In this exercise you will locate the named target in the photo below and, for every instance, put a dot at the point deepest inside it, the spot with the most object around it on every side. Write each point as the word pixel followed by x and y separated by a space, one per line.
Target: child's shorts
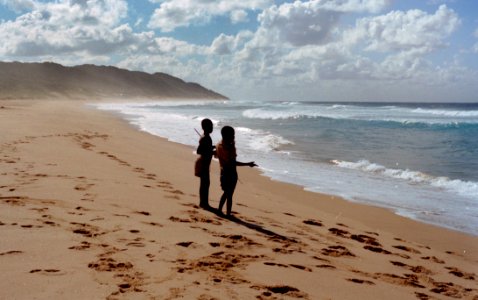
pixel 228 181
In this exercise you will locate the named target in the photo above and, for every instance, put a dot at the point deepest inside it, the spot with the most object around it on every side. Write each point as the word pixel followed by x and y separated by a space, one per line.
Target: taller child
pixel 206 150
pixel 226 153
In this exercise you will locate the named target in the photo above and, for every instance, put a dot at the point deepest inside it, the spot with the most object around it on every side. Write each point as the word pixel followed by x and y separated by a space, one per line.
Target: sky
pixel 304 50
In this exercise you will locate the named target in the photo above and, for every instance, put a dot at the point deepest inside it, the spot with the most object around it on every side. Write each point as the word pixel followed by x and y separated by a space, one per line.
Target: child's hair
pixel 206 123
pixel 227 132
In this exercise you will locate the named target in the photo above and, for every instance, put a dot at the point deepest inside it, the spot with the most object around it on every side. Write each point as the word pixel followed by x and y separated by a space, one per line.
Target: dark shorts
pixel 228 180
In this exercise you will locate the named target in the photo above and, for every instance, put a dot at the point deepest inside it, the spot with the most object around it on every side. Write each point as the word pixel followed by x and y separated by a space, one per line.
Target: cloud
pixel 289 49
pixel 172 14
pixel 227 44
pixel 297 23
pixel 238 16
pixel 309 22
pixel 74 28
pixel 400 30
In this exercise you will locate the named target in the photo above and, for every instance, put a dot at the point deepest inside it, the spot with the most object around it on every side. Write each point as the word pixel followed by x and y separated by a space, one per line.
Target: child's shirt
pixel 205 148
pixel 227 156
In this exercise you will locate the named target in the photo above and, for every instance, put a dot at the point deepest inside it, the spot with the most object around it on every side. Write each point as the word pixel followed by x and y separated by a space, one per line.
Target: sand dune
pixel 91 208
pixel 54 81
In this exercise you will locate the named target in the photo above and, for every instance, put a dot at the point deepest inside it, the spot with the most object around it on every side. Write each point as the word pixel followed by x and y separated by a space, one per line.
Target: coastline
pixel 105 191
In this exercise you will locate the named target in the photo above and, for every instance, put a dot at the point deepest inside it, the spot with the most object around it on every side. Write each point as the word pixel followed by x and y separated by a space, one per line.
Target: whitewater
pixel 418 159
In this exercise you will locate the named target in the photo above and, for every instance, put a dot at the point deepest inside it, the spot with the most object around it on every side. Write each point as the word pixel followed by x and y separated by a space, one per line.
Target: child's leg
pixel 204 191
pixel 229 203
pixel 229 194
pixel 222 201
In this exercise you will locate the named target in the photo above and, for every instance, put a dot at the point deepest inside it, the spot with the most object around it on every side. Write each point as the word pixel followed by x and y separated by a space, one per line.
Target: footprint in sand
pixel 324 266
pixel 407 249
pixel 300 267
pixel 422 296
pixel 458 273
pixel 377 249
pixel 365 239
pixel 50 223
pixel 337 251
pixel 339 232
pixel 414 269
pixel 83 246
pixel 280 289
pixel 275 264
pixel 144 213
pixel 313 222
pixel 11 252
pixel 451 290
pixel 47 272
pixel 181 220
pixel 136 244
pixel 83 186
pixel 86 229
pixel 108 264
pixel 405 280
pixel 361 281
pixel 434 259
pixel 138 170
pixel 185 244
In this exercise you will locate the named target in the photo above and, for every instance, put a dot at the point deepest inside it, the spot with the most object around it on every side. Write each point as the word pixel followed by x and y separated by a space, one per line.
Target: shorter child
pixel 226 153
pixel 206 150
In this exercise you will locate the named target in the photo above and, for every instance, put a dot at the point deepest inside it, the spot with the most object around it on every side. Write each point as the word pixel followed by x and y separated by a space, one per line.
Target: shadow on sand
pixel 251 225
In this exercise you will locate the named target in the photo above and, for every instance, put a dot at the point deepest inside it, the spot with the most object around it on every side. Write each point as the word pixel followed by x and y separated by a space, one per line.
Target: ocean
pixel 418 159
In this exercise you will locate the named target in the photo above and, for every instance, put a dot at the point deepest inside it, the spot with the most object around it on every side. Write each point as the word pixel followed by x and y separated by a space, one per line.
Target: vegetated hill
pixel 53 81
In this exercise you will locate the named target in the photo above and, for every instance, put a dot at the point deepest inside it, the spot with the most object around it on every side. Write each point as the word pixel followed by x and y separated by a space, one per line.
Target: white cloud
pixel 238 16
pixel 289 49
pixel 66 26
pixel 400 30
pixel 227 44
pixel 309 22
pixel 298 23
pixel 172 14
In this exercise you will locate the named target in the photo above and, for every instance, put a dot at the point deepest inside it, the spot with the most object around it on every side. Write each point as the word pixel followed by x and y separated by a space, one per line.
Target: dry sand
pixel 91 208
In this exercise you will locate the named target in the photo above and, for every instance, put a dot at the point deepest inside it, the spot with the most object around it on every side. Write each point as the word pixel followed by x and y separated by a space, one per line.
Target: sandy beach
pixel 92 208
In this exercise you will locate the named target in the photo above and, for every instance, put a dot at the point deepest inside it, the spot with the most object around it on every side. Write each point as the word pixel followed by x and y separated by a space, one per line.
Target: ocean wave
pixel 446 113
pixel 156 104
pixel 467 189
pixel 395 114
pixel 265 114
pixel 259 140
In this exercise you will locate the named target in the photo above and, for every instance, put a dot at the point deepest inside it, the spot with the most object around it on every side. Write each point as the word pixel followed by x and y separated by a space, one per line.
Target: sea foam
pixel 467 189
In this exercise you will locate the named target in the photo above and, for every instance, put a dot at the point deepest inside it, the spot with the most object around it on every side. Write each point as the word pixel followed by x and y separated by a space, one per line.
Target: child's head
pixel 206 125
pixel 227 133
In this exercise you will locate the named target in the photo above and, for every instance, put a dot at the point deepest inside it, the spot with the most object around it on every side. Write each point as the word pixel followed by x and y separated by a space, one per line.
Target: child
pixel 226 153
pixel 206 150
